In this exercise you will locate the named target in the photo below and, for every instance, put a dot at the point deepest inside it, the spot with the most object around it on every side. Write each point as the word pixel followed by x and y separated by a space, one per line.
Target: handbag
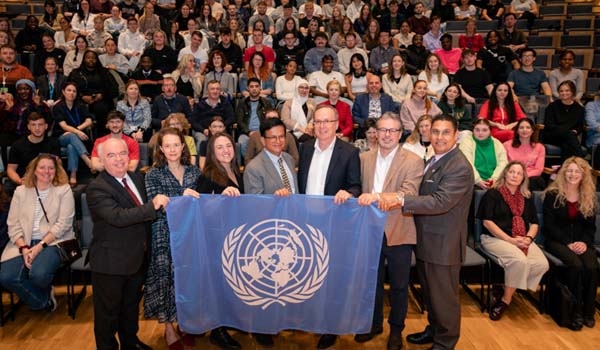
pixel 561 302
pixel 68 250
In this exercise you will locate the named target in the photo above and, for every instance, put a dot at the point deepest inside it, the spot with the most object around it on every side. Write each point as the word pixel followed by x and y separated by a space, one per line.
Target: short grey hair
pixel 391 116
pixel 101 146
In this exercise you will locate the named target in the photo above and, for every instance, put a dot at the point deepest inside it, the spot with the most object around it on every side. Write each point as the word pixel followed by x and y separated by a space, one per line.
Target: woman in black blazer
pixel 570 209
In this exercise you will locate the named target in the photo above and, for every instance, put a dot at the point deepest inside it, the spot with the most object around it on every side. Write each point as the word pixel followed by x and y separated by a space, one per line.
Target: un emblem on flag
pixel 275 261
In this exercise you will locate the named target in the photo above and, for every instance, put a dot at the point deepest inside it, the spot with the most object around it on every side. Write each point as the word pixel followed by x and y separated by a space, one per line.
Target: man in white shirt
pixel 195 49
pixel 132 43
pixel 345 54
pixel 319 79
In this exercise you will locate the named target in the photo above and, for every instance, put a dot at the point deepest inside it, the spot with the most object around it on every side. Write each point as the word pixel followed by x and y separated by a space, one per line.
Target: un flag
pixel 262 264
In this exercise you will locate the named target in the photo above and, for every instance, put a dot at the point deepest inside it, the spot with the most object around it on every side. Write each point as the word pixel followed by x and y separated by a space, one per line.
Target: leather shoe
pixel 264 340
pixel 365 337
pixel 589 322
pixel 222 339
pixel 141 346
pixel 395 341
pixel 326 341
pixel 497 310
pixel 420 338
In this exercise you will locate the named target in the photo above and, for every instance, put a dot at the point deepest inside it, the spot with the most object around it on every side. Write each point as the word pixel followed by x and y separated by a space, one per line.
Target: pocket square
pixel 428 180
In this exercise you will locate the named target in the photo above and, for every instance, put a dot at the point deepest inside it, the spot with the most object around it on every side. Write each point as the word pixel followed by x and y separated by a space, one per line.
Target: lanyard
pixel 133 113
pixel 168 103
pixel 50 88
pixel 71 116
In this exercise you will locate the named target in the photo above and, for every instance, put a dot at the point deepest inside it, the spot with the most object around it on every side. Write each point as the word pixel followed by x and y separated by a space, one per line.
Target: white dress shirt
pixel 131 185
pixel 317 173
pixel 382 166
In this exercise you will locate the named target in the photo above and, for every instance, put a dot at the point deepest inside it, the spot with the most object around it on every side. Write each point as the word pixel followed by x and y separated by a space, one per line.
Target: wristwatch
pixel 93 96
pixel 44 244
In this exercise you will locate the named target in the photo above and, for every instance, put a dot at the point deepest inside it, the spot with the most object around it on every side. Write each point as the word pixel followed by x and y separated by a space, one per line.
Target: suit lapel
pixel 271 170
pixel 118 189
pixel 394 168
pixel 370 164
pixel 139 184
pixel 335 156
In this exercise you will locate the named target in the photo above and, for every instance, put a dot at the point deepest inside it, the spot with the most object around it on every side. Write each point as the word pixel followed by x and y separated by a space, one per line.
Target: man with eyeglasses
pixel 374 103
pixel 390 169
pixel 114 123
pixel 291 51
pixel 168 102
pixel 328 167
pixel 440 212
pixel 529 81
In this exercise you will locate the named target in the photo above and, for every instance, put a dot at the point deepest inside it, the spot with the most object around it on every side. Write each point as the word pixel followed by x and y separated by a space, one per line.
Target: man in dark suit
pixel 441 210
pixel 118 249
pixel 361 110
pixel 328 167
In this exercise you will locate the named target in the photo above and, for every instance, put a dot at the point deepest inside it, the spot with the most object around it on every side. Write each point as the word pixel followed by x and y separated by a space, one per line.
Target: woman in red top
pixel 334 89
pixel 471 40
pixel 502 111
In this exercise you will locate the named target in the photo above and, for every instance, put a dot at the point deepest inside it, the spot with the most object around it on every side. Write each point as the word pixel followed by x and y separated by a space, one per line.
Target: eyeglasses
pixel 390 130
pixel 324 122
pixel 275 137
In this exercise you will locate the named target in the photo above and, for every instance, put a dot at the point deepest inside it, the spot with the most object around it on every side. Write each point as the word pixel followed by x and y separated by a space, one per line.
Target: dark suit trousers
pixel 398 259
pixel 116 309
pixel 440 291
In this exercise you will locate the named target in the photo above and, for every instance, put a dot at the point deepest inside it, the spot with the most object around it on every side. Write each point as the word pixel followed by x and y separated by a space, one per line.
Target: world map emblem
pixel 275 261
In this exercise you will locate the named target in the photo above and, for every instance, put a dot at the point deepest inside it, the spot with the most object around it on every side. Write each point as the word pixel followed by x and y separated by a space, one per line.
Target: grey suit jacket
pixel 262 177
pixel 441 210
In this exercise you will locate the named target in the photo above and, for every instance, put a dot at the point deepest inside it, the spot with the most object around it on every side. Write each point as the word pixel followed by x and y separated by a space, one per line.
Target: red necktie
pixel 131 193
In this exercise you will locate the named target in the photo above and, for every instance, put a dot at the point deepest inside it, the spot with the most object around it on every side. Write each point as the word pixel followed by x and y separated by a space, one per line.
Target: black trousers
pixel 568 143
pixel 581 276
pixel 398 259
pixel 116 309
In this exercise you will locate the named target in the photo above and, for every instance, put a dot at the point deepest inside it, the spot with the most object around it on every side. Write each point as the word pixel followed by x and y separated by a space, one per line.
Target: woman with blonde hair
pixel 136 109
pixel 420 140
pixel 435 76
pixel 570 208
pixel 149 22
pixel 188 78
pixel 40 216
pixel 510 225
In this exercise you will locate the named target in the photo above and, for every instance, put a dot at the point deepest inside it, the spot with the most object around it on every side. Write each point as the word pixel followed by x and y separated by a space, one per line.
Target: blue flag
pixel 262 264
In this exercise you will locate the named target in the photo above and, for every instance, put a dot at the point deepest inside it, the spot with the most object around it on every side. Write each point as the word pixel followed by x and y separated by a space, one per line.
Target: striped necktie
pixel 284 177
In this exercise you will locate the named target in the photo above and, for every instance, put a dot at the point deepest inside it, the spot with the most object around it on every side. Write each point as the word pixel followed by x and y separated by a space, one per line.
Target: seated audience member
pixel 110 59
pixel 11 70
pixel 356 78
pixel 129 9
pixel 406 8
pixel 297 113
pixel 338 39
pixel 374 103
pixel 360 18
pixel 392 20
pixel 419 141
pixel 29 38
pixel 404 38
pixel 237 37
pixel 314 57
pixel 311 11
pixel 435 76
pixel 291 51
pixel 497 60
pixel 149 80
pixel 445 10
pixel 319 79
pixel 416 55
pixel 149 22
pixel 258 69
pixel 570 208
pixel 525 9
pixel 48 49
pixel 49 83
pixel 592 120
pixel 465 11
pixel 50 18
pixel 311 34
pixel 485 153
pixel 492 11
pixel 250 112
pixel 432 39
pixel 564 122
pixel 526 148
pixel 255 145
pixel 565 71
pixel 381 55
pixel 132 43
pixel 195 49
pixel 180 122
pixel 261 15
pixel 471 39
pixel 25 149
pixel 419 22
pixel 371 37
pixel 334 90
pixel 115 24
pixel 369 129
pixel 450 57
pixel 345 54
pixel 231 50
pixel 137 109
pixel 453 103
pixel 188 78
pixel 40 216
pixel 417 105
pixel 115 121
pixel 74 58
pixel 97 37
pixel 217 62
pixel 267 38
pixel 24 103
pixel 510 225
pixel 207 23
pixel 528 80
pixel 285 85
pixel 267 52
pixel 214 104
pixel 288 22
pixel 510 36
pixel 83 20
pixel 65 37
pixel 216 126
pixel 163 56
pixel 168 102
pixel 502 112
pixel 474 81
pixel 397 82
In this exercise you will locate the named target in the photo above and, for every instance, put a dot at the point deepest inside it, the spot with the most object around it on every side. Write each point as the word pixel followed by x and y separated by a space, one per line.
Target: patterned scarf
pixel 516 203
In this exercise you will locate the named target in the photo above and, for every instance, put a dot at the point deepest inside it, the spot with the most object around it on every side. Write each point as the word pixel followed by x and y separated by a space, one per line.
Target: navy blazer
pixel 360 109
pixel 343 172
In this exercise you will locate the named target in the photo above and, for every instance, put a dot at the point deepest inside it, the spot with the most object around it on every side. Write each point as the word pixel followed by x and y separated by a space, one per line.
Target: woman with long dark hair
pixel 454 104
pixel 338 39
pixel 51 17
pixel 356 79
pixel 258 69
pixel 74 58
pixel 397 82
pixel 83 20
pixel 526 148
pixel 502 111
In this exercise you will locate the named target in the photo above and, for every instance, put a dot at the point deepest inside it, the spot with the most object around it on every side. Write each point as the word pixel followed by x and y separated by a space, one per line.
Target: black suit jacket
pixel 121 228
pixel 343 172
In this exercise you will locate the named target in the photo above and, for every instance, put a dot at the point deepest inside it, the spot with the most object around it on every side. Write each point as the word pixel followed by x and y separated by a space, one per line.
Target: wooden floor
pixel 522 327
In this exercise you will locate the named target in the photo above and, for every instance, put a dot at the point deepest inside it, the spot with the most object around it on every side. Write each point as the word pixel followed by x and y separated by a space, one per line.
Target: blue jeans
pixel 31 285
pixel 75 149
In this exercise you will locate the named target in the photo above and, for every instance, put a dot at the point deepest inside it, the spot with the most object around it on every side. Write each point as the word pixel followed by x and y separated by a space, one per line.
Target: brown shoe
pixel 395 341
